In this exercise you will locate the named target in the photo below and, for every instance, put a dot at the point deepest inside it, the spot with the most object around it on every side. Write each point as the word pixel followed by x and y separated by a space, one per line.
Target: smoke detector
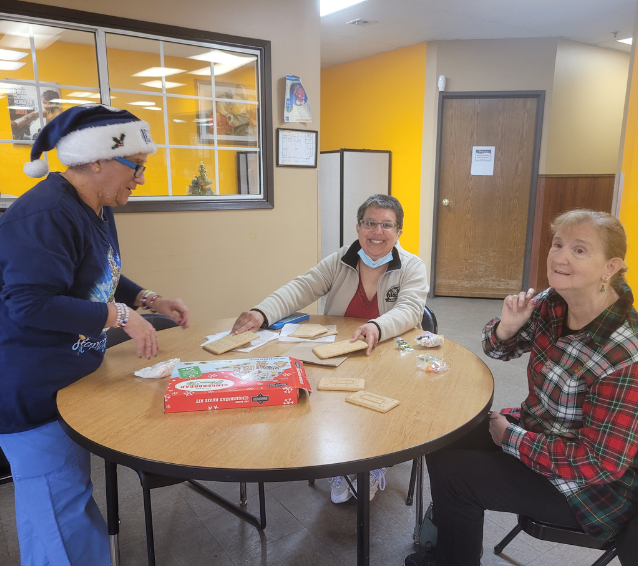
pixel 361 22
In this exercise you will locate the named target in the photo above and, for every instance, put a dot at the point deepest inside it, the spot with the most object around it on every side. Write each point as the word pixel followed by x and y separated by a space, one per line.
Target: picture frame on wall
pixel 236 116
pixel 296 148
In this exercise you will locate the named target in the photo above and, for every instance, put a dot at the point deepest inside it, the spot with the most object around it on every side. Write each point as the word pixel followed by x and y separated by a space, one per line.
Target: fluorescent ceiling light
pixel 628 41
pixel 330 6
pixel 204 72
pixel 158 72
pixel 217 56
pixel 68 101
pixel 10 55
pixel 84 94
pixel 10 65
pixel 19 107
pixel 142 103
pixel 179 121
pixel 158 84
pixel 203 120
pixel 152 108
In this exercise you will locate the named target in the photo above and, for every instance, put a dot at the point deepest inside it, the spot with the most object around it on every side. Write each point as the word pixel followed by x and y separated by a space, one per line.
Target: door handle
pixel 445 202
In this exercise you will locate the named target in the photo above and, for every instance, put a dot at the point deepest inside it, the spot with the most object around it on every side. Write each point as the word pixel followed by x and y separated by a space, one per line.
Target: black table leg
pixel 363 519
pixel 112 511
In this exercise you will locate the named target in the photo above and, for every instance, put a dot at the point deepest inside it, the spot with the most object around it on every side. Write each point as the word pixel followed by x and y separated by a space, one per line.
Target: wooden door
pixel 482 220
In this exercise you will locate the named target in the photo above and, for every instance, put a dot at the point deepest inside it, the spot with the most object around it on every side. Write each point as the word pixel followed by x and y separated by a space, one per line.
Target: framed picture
pixel 24 113
pixel 236 116
pixel 296 148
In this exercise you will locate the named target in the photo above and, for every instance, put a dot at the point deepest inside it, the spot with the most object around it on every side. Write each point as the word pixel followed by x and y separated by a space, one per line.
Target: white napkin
pixel 265 336
pixel 160 369
pixel 290 328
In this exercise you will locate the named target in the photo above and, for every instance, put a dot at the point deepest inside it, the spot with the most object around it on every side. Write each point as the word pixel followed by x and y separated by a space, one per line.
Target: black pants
pixel 472 475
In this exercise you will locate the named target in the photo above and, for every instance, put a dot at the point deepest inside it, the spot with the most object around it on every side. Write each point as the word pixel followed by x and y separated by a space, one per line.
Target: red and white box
pixel 229 384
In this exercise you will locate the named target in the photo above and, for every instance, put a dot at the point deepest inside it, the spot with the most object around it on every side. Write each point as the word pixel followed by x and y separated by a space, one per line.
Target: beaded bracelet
pixel 123 313
pixel 145 295
pixel 152 300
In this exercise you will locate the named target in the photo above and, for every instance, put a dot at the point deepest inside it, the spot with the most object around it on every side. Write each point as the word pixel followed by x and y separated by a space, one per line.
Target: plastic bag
pixel 430 363
pixel 160 369
pixel 429 340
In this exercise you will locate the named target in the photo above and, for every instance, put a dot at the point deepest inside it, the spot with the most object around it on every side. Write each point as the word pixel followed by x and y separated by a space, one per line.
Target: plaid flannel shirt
pixel 579 422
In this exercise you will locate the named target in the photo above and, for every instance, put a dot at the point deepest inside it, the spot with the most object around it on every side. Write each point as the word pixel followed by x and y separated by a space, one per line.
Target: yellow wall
pixel 629 198
pixel 377 103
pixel 123 63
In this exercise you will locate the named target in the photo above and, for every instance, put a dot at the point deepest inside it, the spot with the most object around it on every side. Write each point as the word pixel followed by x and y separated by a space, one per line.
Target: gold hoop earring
pixel 96 169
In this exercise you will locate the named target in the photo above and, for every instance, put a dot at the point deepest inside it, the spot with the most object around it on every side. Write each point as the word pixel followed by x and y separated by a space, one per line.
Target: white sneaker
pixel 339 489
pixel 377 481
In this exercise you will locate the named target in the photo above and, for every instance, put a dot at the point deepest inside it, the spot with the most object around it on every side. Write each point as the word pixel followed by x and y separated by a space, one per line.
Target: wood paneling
pixel 556 194
pixel 481 233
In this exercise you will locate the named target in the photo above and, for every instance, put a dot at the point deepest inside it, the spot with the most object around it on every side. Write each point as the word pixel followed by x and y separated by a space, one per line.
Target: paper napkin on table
pixel 265 336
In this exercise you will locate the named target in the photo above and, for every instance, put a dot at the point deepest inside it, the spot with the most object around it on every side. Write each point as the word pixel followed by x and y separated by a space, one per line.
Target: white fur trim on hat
pixel 36 169
pixel 105 142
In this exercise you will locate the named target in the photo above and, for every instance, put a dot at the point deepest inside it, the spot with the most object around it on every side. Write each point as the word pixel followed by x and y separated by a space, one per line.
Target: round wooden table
pixel 121 418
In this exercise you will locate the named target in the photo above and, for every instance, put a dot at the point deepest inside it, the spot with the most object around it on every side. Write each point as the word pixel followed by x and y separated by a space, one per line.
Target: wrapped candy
pixel 160 369
pixel 431 364
pixel 404 346
pixel 429 340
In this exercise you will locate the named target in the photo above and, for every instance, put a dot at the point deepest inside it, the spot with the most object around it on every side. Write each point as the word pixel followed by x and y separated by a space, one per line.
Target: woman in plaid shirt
pixel 568 456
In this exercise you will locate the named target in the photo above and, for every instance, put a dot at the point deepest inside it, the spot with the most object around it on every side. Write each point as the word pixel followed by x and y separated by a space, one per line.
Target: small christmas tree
pixel 200 185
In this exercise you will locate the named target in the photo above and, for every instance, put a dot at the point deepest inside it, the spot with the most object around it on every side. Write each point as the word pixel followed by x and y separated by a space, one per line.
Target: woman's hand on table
pixel 370 332
pixel 143 333
pixel 175 309
pixel 516 312
pixel 498 424
pixel 247 321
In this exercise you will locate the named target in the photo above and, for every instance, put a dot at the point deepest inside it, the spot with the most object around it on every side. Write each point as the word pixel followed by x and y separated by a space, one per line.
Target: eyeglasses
pixel 372 224
pixel 139 169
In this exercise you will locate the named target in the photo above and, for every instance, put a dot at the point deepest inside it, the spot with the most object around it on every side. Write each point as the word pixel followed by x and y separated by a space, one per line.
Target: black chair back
pixel 429 322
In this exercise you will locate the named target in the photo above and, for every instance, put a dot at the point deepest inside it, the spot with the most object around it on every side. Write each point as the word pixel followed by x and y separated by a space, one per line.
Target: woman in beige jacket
pixel 373 278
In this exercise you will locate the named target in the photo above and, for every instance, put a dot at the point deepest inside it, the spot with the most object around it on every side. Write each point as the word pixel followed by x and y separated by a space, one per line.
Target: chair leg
pixel 508 538
pixel 243 498
pixel 409 498
pixel 148 516
pixel 607 557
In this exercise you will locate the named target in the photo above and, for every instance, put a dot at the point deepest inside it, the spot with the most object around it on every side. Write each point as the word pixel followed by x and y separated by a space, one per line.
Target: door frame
pixel 540 107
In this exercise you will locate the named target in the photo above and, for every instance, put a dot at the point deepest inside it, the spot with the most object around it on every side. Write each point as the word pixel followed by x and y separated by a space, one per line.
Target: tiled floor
pixel 304 527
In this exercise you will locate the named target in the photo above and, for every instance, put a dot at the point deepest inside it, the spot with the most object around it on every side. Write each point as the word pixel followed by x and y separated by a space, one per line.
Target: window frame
pixel 103 24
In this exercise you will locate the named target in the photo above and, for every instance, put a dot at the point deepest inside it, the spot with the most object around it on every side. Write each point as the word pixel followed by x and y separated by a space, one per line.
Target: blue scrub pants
pixel 58 521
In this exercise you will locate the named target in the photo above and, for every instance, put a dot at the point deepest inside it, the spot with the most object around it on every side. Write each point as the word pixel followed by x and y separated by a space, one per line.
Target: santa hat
pixel 90 132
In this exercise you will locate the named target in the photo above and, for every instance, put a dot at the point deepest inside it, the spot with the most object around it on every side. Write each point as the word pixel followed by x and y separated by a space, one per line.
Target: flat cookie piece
pixel 341 383
pixel 230 342
pixel 339 348
pixel 372 401
pixel 309 331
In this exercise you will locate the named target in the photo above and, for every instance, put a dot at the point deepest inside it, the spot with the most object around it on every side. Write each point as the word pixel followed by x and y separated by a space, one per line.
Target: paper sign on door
pixel 483 160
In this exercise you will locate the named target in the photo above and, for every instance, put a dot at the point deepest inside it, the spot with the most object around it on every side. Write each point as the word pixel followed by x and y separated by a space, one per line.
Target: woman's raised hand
pixel 516 312
pixel 175 309
pixel 247 321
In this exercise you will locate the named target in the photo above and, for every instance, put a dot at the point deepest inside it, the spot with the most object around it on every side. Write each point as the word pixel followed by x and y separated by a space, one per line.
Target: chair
pixel 564 535
pixel 5 469
pixel 429 324
pixel 150 481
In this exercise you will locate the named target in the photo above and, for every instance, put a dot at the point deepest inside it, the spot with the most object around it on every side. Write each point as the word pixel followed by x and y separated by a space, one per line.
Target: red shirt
pixel 360 306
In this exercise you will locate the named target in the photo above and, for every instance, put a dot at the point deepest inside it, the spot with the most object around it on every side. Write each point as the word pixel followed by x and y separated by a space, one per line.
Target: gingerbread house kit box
pixel 228 384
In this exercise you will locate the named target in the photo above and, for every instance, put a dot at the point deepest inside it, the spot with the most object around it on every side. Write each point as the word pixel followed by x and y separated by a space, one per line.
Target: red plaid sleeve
pixel 600 451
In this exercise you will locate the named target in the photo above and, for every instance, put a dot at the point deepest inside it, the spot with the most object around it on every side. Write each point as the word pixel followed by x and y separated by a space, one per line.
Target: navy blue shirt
pixel 59 267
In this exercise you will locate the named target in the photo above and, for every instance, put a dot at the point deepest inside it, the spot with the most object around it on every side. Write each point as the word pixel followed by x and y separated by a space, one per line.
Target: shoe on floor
pixel 377 481
pixel 339 489
pixel 421 558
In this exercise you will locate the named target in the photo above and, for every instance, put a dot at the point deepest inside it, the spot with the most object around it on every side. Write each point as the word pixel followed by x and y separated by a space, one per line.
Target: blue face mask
pixel 365 258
